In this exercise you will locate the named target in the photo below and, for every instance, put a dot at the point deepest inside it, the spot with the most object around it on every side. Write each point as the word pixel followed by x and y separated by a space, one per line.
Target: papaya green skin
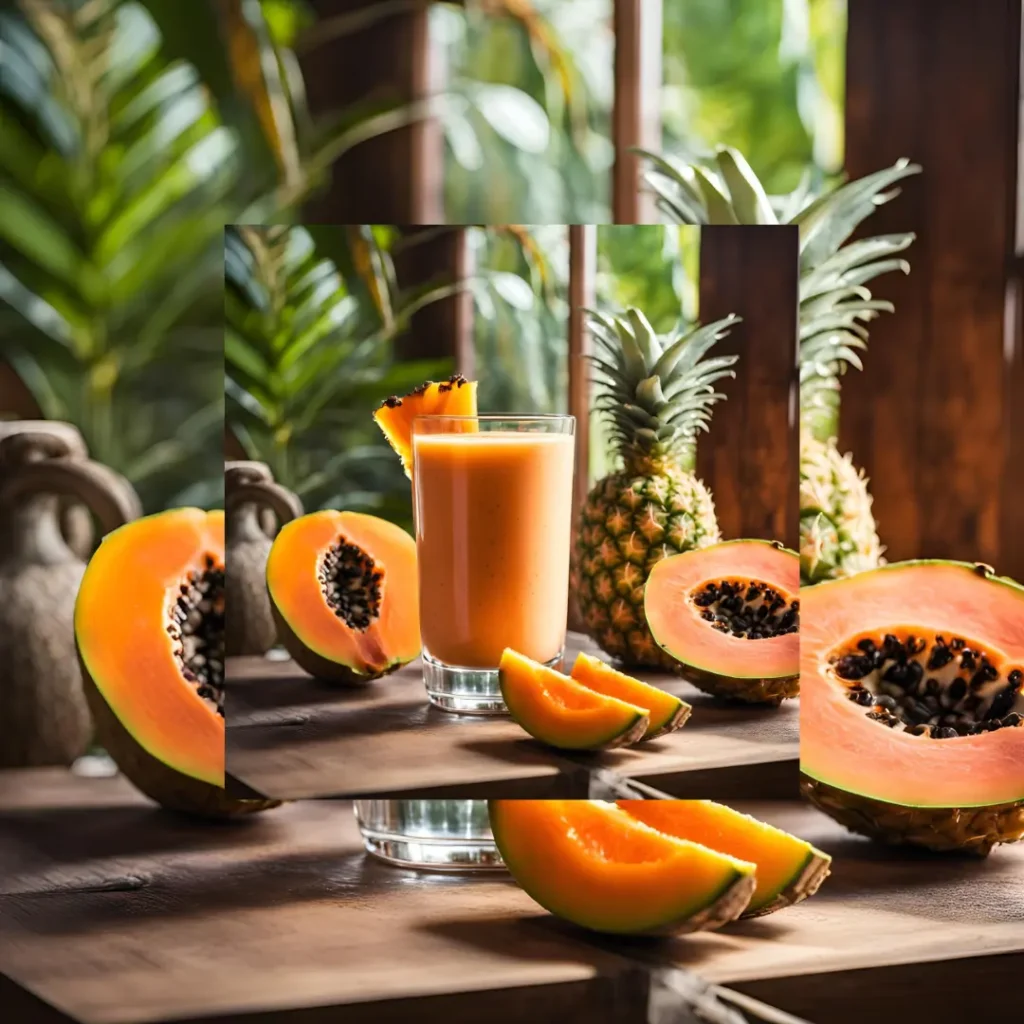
pixel 769 691
pixel 974 831
pixel 316 664
pixel 171 789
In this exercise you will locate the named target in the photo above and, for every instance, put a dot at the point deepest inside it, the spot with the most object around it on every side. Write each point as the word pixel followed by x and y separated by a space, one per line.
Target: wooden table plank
pixel 880 906
pixel 291 736
pixel 114 912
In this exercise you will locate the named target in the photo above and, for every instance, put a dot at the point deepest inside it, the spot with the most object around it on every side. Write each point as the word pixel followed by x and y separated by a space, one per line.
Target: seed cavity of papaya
pixel 196 629
pixel 351 583
pixel 749 609
pixel 936 688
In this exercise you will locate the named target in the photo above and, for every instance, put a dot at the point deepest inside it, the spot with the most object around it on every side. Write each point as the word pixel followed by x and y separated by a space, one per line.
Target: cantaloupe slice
pixel 788 869
pixel 453 397
pixel 666 712
pixel 595 865
pixel 557 711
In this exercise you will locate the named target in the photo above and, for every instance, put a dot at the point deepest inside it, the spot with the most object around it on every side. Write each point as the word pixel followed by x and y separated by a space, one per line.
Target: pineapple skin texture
pixel 628 523
pixel 838 536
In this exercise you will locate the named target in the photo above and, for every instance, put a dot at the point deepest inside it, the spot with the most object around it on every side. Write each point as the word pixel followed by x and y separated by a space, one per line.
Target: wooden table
pixel 113 912
pixel 291 736
pixel 892 935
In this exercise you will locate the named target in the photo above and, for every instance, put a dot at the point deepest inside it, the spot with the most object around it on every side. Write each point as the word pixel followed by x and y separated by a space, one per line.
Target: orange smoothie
pixel 493 516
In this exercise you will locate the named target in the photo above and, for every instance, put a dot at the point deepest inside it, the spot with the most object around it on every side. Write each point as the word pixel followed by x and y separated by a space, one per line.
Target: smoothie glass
pixel 492 498
pixel 431 835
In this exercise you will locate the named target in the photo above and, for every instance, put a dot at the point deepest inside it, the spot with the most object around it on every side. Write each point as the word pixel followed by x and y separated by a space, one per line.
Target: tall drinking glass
pixel 492 499
pixel 432 835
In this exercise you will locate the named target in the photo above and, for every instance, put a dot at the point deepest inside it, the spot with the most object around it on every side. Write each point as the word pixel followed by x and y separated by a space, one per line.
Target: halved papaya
pixel 562 713
pixel 345 595
pixel 665 712
pixel 597 866
pixel 788 869
pixel 149 626
pixel 912 718
pixel 453 397
pixel 730 615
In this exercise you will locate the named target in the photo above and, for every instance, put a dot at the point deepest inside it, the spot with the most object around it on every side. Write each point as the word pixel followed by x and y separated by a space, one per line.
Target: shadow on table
pixel 526 937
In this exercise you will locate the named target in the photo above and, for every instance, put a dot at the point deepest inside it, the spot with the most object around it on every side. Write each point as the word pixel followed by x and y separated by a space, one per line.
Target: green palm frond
pixel 116 173
pixel 310 315
pixel 130 133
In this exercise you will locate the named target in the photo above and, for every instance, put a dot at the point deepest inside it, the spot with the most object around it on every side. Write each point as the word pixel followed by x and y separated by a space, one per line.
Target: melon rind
pixel 622 725
pixel 806 870
pixel 580 897
pixel 677 711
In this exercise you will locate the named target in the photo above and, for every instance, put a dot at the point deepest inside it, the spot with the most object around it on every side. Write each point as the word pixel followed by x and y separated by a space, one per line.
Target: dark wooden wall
pixel 749 458
pixel 437 256
pixel 935 418
pixel 395 178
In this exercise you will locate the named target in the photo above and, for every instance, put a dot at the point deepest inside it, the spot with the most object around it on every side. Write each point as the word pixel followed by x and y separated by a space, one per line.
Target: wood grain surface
pixel 749 458
pixel 115 912
pixel 292 736
pixel 112 911
pixel 930 417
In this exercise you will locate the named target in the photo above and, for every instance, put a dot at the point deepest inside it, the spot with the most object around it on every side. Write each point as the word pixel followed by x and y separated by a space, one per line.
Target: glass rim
pixel 492 417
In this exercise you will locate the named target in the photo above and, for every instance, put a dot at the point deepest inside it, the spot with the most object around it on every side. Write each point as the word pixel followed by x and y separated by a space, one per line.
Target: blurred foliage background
pixel 529 137
pixel 131 131
pixel 310 314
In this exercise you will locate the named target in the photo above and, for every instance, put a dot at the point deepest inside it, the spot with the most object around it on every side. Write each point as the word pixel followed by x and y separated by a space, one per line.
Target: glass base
pixel 467 691
pixel 429 835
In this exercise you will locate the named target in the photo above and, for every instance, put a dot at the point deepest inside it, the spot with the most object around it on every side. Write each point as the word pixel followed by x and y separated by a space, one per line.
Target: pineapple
pixel 838 536
pixel 657 394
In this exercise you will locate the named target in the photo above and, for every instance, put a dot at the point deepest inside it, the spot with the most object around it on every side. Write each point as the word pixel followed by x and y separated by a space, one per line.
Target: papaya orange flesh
pixel 597 866
pixel 906 764
pixel 788 869
pixel 344 588
pixel 681 606
pixel 453 397
pixel 665 712
pixel 554 709
pixel 128 642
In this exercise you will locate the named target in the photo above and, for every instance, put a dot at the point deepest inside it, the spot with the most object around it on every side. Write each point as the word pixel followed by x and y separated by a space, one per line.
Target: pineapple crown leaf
pixel 717 203
pixel 645 335
pixel 748 197
pixel 830 219
pixel 728 192
pixel 656 393
pixel 688 349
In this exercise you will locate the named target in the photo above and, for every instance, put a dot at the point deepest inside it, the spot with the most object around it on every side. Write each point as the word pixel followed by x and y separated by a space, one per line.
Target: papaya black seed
pixel 196 629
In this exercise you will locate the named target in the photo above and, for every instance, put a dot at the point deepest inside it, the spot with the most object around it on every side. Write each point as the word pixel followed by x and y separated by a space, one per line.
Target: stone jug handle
pixel 245 471
pixel 108 494
pixel 242 487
